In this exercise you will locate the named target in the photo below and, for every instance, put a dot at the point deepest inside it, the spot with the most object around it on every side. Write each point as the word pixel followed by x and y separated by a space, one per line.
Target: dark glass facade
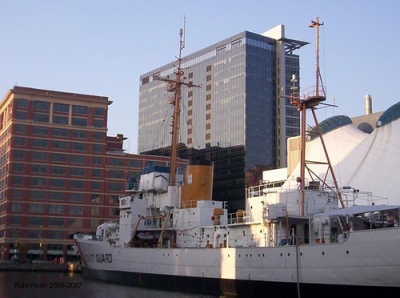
pixel 232 119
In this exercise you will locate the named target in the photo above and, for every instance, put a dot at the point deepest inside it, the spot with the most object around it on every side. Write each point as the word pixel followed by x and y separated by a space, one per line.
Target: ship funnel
pixel 368 104
pixel 198 183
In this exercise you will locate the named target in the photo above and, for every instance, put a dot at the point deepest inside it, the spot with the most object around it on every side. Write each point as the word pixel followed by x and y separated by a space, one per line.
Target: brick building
pixel 60 173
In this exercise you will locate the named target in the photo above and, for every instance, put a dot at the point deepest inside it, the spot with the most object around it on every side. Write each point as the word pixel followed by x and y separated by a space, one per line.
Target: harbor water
pixel 28 284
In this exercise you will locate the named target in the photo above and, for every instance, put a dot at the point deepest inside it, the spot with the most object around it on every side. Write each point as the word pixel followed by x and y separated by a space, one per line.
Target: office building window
pixel 96 160
pixel 95 198
pixel 77 172
pixel 75 223
pixel 56 196
pixel 79 110
pixel 56 235
pixel 18 154
pixel 78 146
pixel 21 115
pixel 114 199
pixel 79 121
pixel 36 208
pixel 94 223
pixel 60 108
pixel 98 148
pixel 60 119
pixel 37 181
pixel 60 145
pixel 16 193
pixel 113 211
pixel 78 159
pixel 41 105
pixel 145 80
pixel 95 211
pixel 98 123
pixel 77 197
pixel 221 49
pixel 35 221
pixel 41 117
pixel 16 220
pixel 116 174
pixel 56 222
pixel 98 136
pixel 77 184
pixel 39 155
pixel 116 186
pixel 38 169
pixel 21 103
pixel 16 207
pixel 54 170
pixel 34 234
pixel 96 185
pixel 56 209
pixel 57 183
pixel 40 143
pixel 96 172
pixel 79 134
pixel 116 162
pixel 17 180
pixel 58 157
pixel 60 132
pixel 98 111
pixel 19 128
pixel 19 141
pixel 36 195
pixel 236 43
pixel 39 130
pixel 75 210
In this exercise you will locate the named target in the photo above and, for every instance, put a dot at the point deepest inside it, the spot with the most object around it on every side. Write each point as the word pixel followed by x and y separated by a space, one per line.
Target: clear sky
pixel 101 47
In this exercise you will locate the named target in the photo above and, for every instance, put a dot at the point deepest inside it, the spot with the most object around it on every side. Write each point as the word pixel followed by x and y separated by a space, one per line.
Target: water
pixel 64 285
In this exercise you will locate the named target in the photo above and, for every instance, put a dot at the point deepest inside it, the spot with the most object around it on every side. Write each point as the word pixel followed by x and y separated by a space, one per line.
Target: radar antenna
pixel 309 102
pixel 175 86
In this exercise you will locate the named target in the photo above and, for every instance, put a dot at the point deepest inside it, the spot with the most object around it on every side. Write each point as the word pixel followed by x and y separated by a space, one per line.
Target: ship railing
pixel 131 186
pixel 242 216
pixel 353 197
pixel 189 204
pixel 312 91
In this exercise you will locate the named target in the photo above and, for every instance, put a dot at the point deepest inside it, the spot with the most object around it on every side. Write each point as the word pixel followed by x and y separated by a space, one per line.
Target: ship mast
pixel 175 86
pixel 310 101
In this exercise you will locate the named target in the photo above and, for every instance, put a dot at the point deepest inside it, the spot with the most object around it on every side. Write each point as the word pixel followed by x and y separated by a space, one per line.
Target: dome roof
pixel 330 124
pixel 389 115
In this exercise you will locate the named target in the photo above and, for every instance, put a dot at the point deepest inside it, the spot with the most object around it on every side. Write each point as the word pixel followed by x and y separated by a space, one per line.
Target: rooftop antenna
pixel 175 86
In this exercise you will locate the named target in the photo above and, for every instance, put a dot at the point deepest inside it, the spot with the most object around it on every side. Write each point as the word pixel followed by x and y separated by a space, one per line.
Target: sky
pixel 102 47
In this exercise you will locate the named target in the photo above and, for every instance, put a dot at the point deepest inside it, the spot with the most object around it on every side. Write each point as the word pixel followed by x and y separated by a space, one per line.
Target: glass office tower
pixel 239 117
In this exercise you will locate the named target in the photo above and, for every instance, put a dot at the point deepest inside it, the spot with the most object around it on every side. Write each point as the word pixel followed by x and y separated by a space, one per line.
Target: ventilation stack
pixel 368 104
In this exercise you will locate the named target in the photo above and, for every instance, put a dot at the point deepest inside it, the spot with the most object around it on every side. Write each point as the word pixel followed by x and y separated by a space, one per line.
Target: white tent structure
pixel 366 162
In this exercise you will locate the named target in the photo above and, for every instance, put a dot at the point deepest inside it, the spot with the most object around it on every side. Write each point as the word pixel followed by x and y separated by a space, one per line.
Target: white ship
pixel 306 237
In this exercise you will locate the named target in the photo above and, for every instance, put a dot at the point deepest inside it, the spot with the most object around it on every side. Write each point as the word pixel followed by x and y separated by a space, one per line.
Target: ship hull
pixel 366 261
pixel 231 288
